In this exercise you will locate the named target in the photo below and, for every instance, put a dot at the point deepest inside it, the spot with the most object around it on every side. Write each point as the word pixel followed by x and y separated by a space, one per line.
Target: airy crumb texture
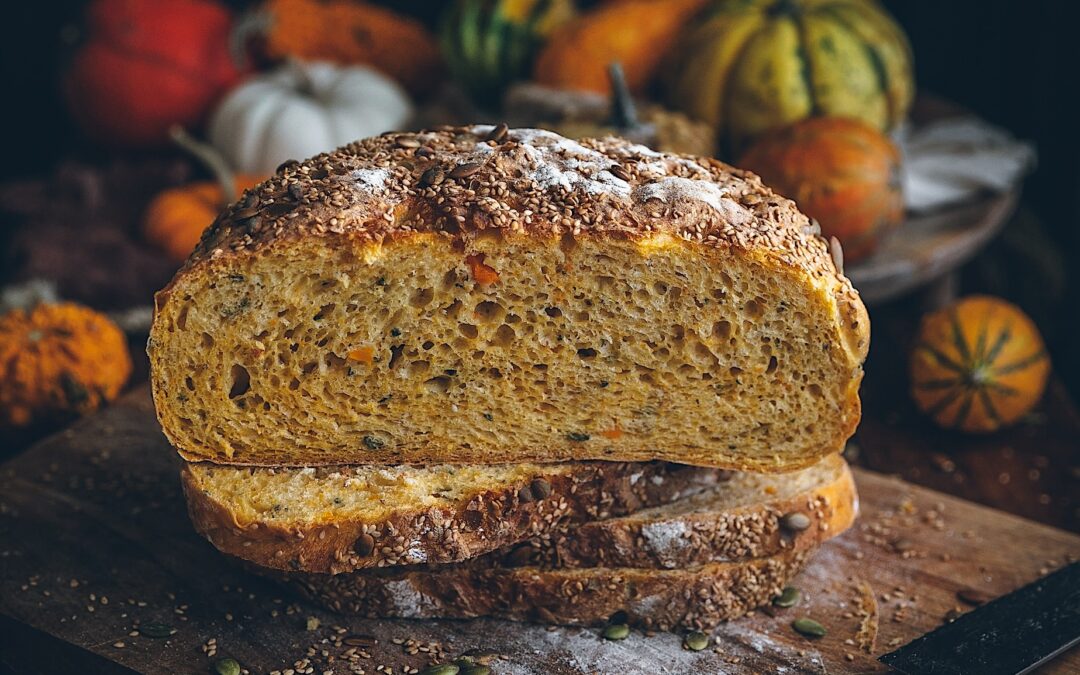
pixel 697 597
pixel 481 295
pixel 335 519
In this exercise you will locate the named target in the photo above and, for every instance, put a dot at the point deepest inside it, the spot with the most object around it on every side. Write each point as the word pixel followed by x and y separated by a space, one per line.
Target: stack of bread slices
pixel 481 371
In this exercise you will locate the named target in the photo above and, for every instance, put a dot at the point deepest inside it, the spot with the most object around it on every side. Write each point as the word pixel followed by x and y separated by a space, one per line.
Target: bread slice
pixel 476 295
pixel 335 519
pixel 720 553
pixel 748 516
pixel 695 597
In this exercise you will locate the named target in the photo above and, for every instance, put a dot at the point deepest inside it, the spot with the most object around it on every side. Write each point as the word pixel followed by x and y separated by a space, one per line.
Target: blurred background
pixel 937 141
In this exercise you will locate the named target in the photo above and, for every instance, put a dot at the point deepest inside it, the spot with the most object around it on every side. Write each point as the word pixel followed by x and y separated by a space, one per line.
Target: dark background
pixel 1014 63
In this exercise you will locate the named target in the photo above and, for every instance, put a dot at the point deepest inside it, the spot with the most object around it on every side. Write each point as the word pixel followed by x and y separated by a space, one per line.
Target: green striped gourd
pixel 487 44
pixel 749 66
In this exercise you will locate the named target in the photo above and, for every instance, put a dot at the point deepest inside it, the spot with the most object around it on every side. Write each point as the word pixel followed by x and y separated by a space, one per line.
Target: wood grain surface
pixel 94 543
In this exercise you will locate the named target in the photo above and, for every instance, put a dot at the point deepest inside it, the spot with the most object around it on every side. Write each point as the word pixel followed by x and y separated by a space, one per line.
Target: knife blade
pixel 1009 635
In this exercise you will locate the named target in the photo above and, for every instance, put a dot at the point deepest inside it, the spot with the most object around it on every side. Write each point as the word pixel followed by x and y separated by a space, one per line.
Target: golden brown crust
pixel 485 521
pixel 460 180
pixel 699 597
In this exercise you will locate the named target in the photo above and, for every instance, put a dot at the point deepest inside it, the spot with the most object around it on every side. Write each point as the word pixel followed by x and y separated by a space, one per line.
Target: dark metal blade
pixel 1009 635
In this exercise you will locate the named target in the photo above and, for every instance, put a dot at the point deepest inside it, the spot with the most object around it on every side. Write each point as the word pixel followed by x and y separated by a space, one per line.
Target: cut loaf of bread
pixel 481 295
pixel 335 519
pixel 696 597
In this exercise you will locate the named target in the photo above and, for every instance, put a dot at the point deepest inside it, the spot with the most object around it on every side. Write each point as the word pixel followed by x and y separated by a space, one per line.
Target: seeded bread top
pixel 459 180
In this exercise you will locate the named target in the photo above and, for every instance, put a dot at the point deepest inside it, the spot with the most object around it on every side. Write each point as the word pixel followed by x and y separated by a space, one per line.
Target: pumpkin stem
pixel 623 113
pixel 248 26
pixel 210 158
pixel 304 85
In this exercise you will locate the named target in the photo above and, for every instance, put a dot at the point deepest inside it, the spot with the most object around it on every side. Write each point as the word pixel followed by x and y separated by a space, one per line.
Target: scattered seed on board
pixel 789 597
pixel 616 631
pixel 441 669
pixel 227 667
pixel 808 628
pixel 695 641
pixel 795 521
pixel 156 630
pixel 359 641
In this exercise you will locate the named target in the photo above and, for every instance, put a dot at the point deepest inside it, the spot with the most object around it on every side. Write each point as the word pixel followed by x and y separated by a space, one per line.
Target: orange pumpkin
pixel 840 171
pixel 175 218
pixel 979 365
pixel 348 32
pixel 58 359
pixel 636 33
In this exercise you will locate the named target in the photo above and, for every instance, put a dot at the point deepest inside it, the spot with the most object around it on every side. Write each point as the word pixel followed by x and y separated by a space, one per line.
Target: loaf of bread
pixel 334 519
pixel 481 295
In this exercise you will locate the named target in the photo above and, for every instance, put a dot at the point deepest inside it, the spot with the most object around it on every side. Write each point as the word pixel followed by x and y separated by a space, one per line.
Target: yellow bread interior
pixel 330 351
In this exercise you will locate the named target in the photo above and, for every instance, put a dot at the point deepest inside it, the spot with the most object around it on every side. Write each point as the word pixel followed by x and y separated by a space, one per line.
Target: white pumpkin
pixel 302 109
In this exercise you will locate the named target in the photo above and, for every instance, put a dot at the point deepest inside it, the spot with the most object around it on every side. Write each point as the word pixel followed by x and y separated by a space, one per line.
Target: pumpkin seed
pixel 465 170
pixel 616 631
pixel 408 142
pixel 227 667
pixel 837 253
pixel 156 630
pixel 424 151
pixel 619 172
pixel 295 191
pixel 286 165
pixel 474 669
pixel 808 627
pixel 520 556
pixel 245 213
pixel 695 641
pixel 498 133
pixel 357 640
pixel 541 489
pixel 789 597
pixel 577 436
pixel 441 669
pixel 432 176
pixel 795 521
pixel 275 209
pixel 525 495
pixel 364 545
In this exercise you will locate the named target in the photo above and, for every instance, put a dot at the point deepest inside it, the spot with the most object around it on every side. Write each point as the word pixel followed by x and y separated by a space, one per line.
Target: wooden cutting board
pixel 94 541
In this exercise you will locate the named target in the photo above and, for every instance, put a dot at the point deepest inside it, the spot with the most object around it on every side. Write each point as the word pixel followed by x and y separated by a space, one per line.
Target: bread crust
pixel 484 521
pixel 381 191
pixel 659 540
pixel 698 597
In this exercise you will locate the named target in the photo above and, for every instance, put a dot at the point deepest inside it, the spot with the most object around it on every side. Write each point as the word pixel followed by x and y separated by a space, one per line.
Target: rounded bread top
pixel 456 180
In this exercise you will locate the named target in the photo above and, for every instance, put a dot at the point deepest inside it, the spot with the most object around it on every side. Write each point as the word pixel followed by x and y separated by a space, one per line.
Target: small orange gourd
pixel 175 218
pixel 841 172
pixel 58 359
pixel 636 33
pixel 347 32
pixel 978 365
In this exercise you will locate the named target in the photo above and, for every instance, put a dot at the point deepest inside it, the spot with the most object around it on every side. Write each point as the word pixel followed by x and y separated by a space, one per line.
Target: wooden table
pixel 95 542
